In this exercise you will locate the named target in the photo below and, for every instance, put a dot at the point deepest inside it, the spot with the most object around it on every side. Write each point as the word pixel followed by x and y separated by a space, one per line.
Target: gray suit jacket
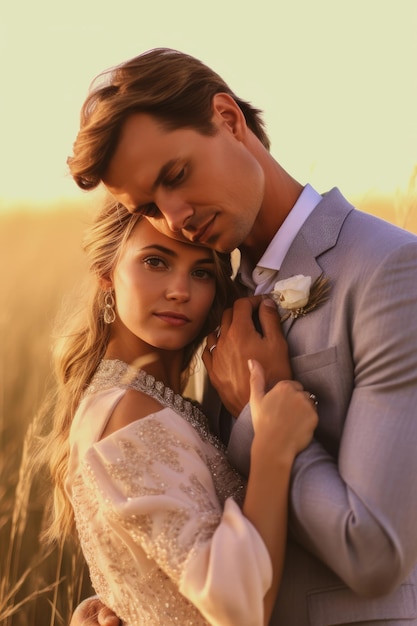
pixel 352 554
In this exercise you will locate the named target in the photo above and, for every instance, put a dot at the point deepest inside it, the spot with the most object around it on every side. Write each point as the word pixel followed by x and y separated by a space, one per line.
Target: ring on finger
pixel 313 398
pixel 212 347
pixel 218 331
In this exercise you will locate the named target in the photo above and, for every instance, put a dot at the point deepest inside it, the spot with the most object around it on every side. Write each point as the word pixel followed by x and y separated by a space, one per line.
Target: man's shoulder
pixel 363 222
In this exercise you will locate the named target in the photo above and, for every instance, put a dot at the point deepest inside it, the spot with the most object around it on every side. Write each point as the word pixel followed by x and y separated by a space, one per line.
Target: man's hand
pixel 239 341
pixel 92 612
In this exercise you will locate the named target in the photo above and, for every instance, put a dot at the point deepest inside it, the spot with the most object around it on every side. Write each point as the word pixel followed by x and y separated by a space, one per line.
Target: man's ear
pixel 228 113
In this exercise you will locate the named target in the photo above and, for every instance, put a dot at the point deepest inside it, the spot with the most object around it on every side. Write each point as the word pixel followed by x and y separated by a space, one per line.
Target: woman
pixel 169 530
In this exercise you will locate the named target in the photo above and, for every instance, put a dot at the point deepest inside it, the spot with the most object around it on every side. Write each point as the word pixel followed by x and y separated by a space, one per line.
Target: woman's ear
pixel 105 283
pixel 228 113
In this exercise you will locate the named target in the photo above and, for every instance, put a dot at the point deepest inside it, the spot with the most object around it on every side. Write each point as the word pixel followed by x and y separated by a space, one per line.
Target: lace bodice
pixel 157 511
pixel 112 373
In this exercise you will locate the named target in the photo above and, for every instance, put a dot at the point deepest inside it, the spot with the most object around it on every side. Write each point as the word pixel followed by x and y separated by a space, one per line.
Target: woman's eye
pixel 203 274
pixel 154 261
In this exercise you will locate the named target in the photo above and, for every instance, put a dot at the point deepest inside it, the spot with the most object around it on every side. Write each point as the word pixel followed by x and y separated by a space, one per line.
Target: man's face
pixel 204 189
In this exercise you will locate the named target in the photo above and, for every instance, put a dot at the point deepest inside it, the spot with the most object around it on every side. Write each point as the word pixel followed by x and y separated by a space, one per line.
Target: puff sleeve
pixel 154 493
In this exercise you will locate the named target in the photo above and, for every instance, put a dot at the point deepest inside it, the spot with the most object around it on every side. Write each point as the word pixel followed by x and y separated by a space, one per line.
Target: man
pixel 168 138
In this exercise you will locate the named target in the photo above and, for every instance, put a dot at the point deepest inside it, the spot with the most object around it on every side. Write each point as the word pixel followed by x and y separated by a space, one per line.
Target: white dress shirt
pixel 264 276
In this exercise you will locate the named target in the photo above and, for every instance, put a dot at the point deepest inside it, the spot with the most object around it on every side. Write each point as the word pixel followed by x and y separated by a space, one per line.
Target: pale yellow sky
pixel 335 78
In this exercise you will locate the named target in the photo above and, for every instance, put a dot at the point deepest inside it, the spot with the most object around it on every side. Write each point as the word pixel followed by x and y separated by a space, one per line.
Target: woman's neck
pixel 164 365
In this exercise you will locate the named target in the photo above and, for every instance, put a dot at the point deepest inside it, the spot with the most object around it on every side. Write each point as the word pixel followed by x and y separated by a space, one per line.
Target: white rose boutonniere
pixel 297 296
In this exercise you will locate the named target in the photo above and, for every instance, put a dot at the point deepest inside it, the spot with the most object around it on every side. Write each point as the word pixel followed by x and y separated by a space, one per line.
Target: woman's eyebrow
pixel 168 251
pixel 155 246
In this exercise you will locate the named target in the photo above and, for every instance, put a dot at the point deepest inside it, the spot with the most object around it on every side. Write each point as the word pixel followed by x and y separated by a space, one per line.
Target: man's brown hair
pixel 174 87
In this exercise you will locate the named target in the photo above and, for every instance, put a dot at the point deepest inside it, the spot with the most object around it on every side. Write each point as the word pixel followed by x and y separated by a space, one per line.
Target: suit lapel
pixel 318 234
pixel 299 260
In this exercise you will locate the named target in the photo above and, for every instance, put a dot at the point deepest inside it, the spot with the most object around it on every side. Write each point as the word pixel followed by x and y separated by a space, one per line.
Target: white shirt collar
pixel 269 264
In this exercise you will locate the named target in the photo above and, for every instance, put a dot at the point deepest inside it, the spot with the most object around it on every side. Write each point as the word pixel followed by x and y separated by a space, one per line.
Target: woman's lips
pixel 174 319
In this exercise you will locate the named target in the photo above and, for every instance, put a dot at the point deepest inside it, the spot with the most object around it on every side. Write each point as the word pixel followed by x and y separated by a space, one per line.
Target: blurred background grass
pixel 42 263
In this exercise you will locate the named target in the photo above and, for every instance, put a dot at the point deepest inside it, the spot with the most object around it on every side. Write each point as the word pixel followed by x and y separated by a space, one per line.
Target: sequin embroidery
pixel 141 585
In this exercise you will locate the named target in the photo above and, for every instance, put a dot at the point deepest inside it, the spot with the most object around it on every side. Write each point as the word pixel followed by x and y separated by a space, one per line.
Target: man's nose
pixel 175 210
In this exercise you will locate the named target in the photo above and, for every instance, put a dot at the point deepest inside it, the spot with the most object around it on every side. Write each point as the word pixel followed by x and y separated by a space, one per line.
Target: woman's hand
pixel 284 418
pixel 92 612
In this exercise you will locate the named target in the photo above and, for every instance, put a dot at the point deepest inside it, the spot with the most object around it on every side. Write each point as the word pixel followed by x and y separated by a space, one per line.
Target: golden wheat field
pixel 42 264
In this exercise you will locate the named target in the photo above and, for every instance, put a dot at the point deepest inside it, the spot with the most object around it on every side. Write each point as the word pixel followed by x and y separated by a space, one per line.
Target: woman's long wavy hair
pixel 83 342
pixel 174 87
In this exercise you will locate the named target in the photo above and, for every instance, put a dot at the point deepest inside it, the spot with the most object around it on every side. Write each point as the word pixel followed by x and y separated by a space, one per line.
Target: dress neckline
pixel 117 373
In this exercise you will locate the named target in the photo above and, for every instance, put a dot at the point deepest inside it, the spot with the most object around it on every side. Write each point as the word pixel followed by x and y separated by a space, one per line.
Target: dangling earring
pixel 109 315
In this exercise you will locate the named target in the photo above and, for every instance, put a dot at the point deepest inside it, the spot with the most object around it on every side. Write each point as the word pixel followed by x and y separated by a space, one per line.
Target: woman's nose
pixel 179 288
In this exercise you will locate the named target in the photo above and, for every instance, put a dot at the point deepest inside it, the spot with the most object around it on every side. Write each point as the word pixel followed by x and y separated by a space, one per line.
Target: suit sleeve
pixel 358 513
pixel 240 442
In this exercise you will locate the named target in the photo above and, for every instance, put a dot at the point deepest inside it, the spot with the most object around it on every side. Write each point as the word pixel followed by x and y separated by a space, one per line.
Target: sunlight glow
pixel 335 78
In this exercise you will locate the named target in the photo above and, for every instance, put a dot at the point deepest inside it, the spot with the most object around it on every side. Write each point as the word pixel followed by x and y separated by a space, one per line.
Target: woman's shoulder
pixel 132 406
pixel 121 395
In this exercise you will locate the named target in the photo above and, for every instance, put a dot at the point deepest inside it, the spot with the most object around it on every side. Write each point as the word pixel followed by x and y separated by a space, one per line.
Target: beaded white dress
pixel 157 508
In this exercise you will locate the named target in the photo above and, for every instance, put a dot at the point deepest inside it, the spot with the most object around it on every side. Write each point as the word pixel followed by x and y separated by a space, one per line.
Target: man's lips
pixel 175 319
pixel 203 233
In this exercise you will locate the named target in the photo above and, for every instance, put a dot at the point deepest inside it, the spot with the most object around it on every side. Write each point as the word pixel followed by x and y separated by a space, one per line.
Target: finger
pixel 269 319
pixel 207 359
pixel 243 310
pixel 296 385
pixel 210 340
pixel 313 398
pixel 254 301
pixel 211 345
pixel 226 319
pixel 106 617
pixel 257 381
pixel 213 337
pixel 87 612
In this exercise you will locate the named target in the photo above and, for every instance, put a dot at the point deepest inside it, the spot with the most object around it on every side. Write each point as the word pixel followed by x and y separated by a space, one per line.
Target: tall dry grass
pixel 41 263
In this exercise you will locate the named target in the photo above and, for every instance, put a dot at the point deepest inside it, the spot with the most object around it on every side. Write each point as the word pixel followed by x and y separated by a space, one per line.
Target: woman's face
pixel 163 290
